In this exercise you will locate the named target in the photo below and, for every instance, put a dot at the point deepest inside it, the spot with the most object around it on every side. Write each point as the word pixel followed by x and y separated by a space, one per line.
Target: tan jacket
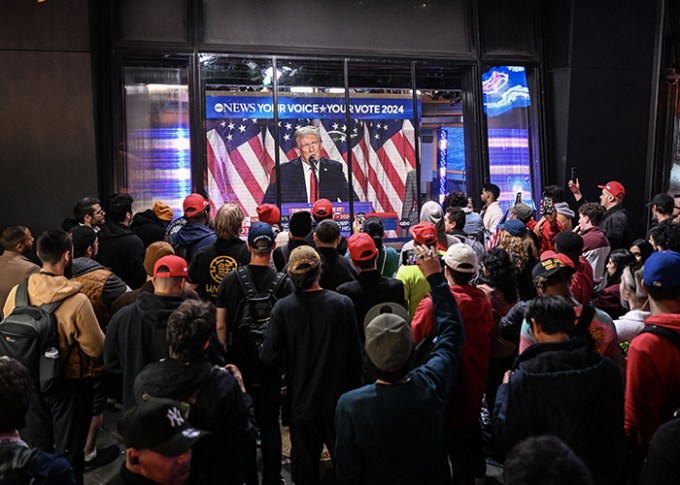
pixel 14 268
pixel 76 321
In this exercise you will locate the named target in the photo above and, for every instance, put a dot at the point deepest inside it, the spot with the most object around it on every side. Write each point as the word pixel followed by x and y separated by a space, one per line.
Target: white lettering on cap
pixel 175 417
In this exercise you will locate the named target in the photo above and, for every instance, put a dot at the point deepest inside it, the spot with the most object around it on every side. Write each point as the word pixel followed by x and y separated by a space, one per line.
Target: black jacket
pixel 335 270
pixel 122 251
pixel 136 337
pixel 148 227
pixel 342 243
pixel 369 289
pixel 614 224
pixel 280 256
pixel 314 334
pixel 217 405
pixel 569 390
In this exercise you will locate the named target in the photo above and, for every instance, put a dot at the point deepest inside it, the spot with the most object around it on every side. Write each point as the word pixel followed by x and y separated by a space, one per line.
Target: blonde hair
pixel 632 278
pixel 228 221
pixel 520 248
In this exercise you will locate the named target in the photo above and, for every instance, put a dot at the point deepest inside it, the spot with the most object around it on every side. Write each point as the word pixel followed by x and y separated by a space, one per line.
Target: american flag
pixel 241 157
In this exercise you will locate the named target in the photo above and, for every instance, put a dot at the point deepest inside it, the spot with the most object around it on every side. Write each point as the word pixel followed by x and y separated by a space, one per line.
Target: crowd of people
pixel 545 339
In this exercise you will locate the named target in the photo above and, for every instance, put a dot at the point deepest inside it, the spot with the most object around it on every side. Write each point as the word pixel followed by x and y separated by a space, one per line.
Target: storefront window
pixel 239 140
pixel 374 126
pixel 442 134
pixel 156 156
pixel 382 135
pixel 506 106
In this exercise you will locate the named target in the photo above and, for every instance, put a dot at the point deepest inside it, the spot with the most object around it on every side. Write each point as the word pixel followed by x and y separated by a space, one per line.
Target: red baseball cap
pixel 268 213
pixel 171 266
pixel 194 204
pixel 562 257
pixel 614 188
pixel 424 233
pixel 361 247
pixel 322 209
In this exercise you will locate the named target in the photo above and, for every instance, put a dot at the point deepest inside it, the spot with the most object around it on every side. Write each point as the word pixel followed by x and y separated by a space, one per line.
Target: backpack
pixel 19 465
pixel 28 334
pixel 253 312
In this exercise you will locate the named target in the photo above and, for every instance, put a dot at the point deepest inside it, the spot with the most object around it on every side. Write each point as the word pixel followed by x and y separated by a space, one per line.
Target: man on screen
pixel 310 176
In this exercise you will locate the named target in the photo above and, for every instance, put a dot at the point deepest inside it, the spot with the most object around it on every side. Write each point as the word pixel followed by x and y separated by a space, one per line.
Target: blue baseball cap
pixel 261 236
pixel 514 227
pixel 662 270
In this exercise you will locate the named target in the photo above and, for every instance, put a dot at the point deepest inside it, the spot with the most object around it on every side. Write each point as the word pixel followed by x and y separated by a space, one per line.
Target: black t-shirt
pixel 209 266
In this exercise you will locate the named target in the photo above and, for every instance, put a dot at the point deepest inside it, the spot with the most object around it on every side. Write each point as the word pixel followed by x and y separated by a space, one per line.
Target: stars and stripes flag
pixel 241 154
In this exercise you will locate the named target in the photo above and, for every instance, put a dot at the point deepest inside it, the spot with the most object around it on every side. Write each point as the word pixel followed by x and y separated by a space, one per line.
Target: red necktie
pixel 312 187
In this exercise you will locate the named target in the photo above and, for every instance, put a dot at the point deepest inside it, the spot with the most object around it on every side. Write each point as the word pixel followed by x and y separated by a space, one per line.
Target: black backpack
pixel 253 312
pixel 27 333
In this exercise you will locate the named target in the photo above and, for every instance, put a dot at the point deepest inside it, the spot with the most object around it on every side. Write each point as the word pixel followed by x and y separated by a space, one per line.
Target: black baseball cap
pixel 664 202
pixel 158 425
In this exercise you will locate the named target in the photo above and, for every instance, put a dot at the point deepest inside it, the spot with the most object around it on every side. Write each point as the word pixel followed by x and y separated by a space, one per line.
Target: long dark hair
pixel 498 272
pixel 621 258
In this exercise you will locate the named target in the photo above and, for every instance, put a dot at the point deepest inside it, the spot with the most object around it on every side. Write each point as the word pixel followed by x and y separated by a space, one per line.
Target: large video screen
pixel 506 103
pixel 241 152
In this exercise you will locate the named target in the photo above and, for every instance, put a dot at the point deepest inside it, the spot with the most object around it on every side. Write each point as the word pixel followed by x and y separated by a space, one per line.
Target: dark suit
pixel 332 183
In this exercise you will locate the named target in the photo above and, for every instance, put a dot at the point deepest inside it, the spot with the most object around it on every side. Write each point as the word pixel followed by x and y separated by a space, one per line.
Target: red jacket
pixel 478 322
pixel 547 233
pixel 582 282
pixel 652 381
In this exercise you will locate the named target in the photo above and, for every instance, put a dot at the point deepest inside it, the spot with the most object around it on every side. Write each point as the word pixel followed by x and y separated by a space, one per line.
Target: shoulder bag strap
pixel 667 333
pixel 245 281
pixel 587 314
pixel 21 296
pixel 275 283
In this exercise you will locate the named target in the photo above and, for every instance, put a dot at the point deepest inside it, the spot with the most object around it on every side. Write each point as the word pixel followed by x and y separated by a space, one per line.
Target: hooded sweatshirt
pixel 432 212
pixel 76 322
pixel 122 251
pixel 137 336
pixel 565 215
pixel 479 324
pixel 193 237
pixel 565 389
pixel 148 227
pixel 217 405
pixel 652 380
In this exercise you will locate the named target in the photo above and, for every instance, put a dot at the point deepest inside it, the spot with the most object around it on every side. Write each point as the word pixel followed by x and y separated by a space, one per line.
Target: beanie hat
pixel 162 211
pixel 268 213
pixel 154 252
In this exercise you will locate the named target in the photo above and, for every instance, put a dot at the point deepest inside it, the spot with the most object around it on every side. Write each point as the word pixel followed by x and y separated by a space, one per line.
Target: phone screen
pixel 547 206
pixel 410 257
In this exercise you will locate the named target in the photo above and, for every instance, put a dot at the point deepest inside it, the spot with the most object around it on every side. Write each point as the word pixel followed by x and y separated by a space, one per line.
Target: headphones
pixel 134 460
